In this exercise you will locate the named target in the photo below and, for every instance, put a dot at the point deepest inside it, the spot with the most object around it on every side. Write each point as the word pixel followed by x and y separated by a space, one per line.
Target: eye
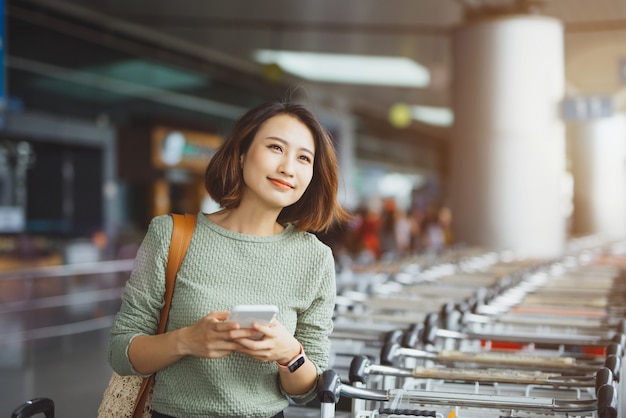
pixel 306 158
pixel 275 147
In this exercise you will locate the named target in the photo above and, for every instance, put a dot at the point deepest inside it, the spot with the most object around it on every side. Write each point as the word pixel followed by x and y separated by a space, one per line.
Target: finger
pixel 219 315
pixel 226 326
pixel 264 329
pixel 245 333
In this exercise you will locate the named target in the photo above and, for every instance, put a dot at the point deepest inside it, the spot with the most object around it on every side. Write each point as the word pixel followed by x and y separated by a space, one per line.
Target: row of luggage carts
pixel 481 335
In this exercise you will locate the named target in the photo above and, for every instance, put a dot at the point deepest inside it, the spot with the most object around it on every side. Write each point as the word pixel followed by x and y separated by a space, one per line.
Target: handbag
pixel 131 396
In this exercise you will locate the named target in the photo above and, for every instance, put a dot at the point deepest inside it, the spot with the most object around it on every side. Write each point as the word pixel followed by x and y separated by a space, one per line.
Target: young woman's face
pixel 278 166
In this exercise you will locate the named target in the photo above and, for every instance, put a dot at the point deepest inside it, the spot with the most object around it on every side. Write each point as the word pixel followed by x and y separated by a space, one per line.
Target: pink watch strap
pixel 286 367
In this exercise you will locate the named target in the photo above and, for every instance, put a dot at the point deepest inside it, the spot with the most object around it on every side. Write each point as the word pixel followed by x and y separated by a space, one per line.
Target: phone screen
pixel 246 315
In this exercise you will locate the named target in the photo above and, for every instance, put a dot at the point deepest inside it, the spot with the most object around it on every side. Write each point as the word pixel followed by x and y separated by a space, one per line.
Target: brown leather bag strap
pixel 181 237
pixel 184 226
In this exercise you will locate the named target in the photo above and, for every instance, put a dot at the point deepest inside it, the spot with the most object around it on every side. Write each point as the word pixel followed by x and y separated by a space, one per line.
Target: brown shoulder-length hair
pixel 318 208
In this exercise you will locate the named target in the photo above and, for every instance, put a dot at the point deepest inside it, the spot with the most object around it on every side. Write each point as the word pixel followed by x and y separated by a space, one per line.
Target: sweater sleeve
pixel 315 323
pixel 142 298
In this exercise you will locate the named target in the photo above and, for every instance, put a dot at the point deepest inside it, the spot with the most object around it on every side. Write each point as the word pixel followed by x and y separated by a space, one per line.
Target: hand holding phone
pixel 246 315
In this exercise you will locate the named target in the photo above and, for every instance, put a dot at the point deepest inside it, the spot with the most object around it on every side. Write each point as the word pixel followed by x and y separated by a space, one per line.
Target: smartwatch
pixel 294 364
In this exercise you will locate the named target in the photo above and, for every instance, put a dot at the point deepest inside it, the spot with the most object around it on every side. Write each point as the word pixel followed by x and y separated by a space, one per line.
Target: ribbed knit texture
pixel 292 270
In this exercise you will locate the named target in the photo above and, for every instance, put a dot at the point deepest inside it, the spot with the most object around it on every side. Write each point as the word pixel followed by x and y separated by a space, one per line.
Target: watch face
pixel 295 365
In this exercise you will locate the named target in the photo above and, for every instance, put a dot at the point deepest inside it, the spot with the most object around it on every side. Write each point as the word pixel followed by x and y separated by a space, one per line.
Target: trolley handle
pixel 614 348
pixel 330 389
pixel 359 369
pixel 33 407
pixel 412 335
pixel 604 376
pixel 614 364
pixel 393 336
pixel 390 352
pixel 619 338
pixel 451 317
pixel 607 402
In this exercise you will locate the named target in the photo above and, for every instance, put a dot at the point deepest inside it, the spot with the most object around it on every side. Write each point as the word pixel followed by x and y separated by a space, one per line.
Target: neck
pixel 249 221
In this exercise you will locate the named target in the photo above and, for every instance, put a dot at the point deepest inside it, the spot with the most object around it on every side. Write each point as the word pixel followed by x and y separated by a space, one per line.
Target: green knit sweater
pixel 292 270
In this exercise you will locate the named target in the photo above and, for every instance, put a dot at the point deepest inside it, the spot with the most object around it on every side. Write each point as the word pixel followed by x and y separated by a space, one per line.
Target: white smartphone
pixel 245 315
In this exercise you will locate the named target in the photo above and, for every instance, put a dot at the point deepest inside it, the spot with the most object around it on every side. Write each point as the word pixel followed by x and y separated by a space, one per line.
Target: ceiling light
pixel 348 69
pixel 440 116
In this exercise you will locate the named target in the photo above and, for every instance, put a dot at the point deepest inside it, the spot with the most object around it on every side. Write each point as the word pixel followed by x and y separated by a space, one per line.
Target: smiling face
pixel 278 166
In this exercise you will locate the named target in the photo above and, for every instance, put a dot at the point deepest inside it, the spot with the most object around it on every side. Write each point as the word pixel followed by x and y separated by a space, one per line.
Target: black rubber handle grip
pixel 33 407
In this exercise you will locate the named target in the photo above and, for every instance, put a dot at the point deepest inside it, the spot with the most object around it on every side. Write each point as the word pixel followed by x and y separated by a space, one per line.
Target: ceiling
pixel 217 38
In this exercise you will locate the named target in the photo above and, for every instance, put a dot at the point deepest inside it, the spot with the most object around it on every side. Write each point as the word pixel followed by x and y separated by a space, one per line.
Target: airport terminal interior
pixel 482 154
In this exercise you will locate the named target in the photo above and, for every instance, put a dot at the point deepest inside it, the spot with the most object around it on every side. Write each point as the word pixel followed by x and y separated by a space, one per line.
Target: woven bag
pixel 131 396
pixel 120 396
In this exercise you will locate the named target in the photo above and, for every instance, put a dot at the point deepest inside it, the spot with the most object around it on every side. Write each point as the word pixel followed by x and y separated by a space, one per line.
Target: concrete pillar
pixel 597 149
pixel 346 153
pixel 340 122
pixel 508 141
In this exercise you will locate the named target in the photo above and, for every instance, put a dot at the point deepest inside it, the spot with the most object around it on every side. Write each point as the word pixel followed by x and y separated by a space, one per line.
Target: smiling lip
pixel 280 183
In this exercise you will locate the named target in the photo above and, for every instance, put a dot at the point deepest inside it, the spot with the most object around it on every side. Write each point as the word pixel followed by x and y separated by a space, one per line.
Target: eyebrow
pixel 308 151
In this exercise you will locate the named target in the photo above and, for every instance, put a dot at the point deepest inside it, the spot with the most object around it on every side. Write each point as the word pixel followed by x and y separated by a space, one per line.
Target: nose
pixel 286 166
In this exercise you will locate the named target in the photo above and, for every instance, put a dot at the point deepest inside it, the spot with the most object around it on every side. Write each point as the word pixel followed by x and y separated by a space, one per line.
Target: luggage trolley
pixel 480 380
pixel 560 313
pixel 568 367
pixel 423 403
pixel 344 347
pixel 573 339
pixel 517 374
pixel 394 299
pixel 578 294
pixel 574 371
pixel 367 311
pixel 487 318
pixel 361 318
pixel 392 354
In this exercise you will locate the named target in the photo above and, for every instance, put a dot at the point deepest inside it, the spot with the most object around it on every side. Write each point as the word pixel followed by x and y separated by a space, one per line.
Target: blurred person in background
pixel 445 220
pixel 387 229
pixel 369 232
pixel 353 242
pixel 404 230
pixel 437 229
pixel 275 178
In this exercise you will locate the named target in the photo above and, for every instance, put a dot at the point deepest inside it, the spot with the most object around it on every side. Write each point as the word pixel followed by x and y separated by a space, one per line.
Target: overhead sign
pixel 176 148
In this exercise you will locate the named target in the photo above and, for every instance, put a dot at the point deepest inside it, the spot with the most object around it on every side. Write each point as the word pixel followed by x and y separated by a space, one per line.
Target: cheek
pixel 247 176
pixel 250 167
pixel 306 181
pixel 306 176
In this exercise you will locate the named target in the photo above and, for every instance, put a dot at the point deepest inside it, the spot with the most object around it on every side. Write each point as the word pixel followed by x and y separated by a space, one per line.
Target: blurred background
pixel 496 124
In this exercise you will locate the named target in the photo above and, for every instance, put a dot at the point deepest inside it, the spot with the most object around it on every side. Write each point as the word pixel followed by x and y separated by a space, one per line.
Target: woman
pixel 275 178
